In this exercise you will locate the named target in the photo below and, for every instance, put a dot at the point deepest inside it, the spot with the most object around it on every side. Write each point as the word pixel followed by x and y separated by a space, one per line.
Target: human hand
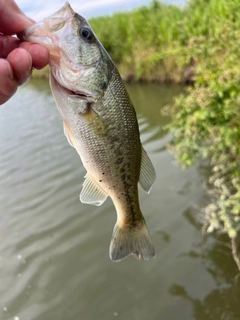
pixel 17 58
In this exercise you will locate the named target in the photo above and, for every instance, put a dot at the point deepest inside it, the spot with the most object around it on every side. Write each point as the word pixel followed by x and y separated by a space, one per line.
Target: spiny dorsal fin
pixel 91 193
pixel 147 172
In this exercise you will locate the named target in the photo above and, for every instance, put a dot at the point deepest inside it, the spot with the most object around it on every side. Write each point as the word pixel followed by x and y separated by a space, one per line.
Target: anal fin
pixel 147 172
pixel 91 193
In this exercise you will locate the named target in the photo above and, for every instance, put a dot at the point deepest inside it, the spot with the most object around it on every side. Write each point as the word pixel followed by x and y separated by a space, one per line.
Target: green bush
pixel 206 121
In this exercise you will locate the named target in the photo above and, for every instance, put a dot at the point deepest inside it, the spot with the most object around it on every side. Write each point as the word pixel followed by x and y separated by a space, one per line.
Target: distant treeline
pixel 159 41
pixel 145 43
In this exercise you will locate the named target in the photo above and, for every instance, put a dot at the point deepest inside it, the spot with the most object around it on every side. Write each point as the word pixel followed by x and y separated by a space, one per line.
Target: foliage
pixel 206 121
pixel 142 41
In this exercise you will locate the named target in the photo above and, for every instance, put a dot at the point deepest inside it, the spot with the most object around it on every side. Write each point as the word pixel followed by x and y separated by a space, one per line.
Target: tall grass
pixel 133 39
pixel 153 41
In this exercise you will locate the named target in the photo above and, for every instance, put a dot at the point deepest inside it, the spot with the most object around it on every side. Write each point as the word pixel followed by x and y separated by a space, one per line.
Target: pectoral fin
pixel 69 135
pixel 91 193
pixel 147 172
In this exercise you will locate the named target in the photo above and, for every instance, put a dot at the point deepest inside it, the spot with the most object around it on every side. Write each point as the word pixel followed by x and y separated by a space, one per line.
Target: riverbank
pixel 205 122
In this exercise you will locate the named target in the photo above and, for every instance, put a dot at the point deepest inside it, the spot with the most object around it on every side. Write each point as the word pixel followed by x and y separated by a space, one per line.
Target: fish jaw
pixel 48 31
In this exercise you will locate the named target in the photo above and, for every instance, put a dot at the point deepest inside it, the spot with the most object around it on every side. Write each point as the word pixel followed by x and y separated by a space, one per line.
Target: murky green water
pixel 54 262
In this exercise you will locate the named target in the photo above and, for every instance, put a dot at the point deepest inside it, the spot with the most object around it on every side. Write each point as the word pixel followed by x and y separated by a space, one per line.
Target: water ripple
pixel 54 261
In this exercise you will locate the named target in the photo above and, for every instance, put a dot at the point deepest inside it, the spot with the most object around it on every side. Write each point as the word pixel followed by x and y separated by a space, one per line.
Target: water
pixel 54 260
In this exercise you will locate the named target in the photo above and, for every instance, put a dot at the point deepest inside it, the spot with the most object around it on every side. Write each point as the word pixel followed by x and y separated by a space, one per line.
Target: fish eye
pixel 87 34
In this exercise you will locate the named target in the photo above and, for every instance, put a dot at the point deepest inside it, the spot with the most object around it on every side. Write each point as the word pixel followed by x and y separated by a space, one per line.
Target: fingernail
pixel 10 72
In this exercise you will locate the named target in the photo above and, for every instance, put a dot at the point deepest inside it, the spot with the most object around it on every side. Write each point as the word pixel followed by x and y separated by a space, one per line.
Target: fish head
pixel 78 61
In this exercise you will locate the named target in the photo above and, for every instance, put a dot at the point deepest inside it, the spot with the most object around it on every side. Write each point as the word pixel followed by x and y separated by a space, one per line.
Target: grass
pixel 142 41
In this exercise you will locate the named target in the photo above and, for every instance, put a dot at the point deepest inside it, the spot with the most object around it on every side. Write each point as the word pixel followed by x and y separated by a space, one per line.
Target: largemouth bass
pixel 100 123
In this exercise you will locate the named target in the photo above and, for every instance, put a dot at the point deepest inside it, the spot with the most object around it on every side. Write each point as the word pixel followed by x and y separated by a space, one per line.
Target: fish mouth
pixel 80 95
pixel 69 92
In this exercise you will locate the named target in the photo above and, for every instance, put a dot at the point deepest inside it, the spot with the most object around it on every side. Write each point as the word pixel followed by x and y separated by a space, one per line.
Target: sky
pixel 37 10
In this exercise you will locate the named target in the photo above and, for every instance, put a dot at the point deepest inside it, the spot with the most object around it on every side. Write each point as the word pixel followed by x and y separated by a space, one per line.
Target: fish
pixel 100 122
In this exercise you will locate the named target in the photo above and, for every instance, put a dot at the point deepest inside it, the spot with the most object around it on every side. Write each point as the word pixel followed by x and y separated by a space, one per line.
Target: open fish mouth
pixel 71 93
pixel 81 95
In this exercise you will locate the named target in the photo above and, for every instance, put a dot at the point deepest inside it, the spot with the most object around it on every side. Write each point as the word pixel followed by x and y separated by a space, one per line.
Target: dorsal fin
pixel 147 172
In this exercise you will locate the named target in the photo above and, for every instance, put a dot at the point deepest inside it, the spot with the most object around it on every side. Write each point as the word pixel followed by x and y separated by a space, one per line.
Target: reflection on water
pixel 223 301
pixel 54 260
pixel 214 252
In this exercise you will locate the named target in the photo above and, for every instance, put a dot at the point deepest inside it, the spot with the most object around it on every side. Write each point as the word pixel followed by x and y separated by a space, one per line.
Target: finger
pixel 8 85
pixel 11 13
pixel 21 63
pixel 39 54
pixel 7 44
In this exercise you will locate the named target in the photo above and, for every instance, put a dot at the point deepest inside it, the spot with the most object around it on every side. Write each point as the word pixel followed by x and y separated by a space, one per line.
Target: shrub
pixel 206 121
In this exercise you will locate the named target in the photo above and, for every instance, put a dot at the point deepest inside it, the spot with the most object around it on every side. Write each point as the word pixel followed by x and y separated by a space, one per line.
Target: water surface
pixel 54 261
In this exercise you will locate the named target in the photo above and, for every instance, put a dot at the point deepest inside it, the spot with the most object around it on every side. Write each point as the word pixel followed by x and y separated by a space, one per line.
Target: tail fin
pixel 130 240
